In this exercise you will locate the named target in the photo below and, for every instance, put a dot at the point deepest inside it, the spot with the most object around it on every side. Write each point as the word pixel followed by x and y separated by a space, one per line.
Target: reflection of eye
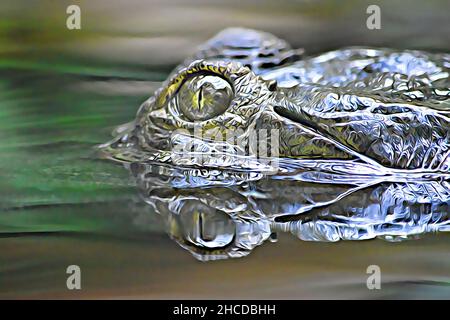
pixel 204 96
pixel 206 227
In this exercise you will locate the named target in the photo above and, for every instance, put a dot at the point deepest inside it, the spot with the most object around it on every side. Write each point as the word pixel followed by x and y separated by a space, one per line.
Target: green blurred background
pixel 63 91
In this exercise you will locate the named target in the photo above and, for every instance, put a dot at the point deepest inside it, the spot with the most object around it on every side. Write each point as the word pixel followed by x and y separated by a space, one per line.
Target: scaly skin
pixel 381 107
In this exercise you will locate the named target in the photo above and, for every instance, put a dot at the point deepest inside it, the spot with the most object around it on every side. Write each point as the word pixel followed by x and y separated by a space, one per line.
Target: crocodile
pixel 363 110
pixel 355 145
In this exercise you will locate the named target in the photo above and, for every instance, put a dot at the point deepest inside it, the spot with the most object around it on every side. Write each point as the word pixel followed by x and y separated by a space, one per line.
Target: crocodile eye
pixel 203 97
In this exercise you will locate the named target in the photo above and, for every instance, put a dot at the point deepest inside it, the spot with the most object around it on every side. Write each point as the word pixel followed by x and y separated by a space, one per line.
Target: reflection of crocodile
pixel 217 222
pixel 386 109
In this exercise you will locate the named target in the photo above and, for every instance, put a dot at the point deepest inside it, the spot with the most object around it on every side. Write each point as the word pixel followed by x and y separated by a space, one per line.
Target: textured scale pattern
pixel 379 106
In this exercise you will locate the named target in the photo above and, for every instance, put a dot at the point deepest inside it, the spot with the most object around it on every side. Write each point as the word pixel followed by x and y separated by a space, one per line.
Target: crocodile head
pixel 246 96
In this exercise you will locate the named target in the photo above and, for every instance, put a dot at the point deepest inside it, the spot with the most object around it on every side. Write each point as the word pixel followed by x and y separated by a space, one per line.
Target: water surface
pixel 62 94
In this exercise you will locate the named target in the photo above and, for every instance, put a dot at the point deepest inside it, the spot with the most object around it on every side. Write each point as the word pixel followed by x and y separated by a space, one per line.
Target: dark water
pixel 63 93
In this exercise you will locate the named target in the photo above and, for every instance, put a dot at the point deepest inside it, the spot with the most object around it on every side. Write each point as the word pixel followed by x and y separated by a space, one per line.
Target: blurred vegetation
pixel 159 33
